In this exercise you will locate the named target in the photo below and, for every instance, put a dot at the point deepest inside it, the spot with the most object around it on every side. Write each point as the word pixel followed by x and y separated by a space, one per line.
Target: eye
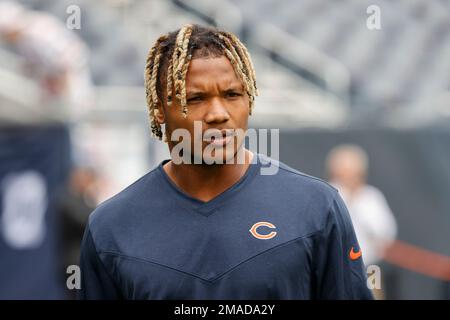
pixel 233 94
pixel 194 99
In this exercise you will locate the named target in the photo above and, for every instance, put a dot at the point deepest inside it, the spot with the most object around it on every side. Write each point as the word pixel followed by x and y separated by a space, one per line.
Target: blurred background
pixel 360 91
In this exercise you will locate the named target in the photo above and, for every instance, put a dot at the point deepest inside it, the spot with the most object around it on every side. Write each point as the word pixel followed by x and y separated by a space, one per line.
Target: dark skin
pixel 217 98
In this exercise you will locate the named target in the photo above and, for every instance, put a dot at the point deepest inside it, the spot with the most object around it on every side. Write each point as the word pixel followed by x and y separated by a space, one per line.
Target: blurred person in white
pixel 375 225
pixel 55 57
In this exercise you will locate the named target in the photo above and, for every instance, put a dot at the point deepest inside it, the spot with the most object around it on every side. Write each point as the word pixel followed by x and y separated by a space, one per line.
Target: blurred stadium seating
pixel 323 76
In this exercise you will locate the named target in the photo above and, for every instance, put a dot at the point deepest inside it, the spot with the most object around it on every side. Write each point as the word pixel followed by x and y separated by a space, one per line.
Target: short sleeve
pixel 96 283
pixel 339 271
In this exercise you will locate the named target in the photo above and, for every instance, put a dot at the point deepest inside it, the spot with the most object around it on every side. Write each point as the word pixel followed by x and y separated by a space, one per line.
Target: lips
pixel 211 136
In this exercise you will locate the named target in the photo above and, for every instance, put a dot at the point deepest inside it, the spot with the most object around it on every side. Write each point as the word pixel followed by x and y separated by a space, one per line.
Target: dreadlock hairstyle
pixel 168 62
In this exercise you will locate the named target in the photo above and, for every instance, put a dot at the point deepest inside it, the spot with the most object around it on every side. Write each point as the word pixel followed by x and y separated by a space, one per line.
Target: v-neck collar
pixel 206 208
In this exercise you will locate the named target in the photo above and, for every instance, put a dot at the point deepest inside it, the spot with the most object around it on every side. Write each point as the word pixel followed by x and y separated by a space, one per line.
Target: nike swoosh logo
pixel 355 255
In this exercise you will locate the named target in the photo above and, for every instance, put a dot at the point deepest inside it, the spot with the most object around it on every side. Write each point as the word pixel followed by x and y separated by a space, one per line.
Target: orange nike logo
pixel 355 255
pixel 254 230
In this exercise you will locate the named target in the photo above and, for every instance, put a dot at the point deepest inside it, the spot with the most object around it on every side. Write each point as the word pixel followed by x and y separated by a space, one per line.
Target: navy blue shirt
pixel 282 236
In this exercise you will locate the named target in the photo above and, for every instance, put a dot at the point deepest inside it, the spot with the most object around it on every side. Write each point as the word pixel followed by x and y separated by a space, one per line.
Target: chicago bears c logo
pixel 254 230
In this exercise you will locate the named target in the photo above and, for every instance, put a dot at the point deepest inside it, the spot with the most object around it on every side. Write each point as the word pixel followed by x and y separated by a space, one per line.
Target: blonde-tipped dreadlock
pixel 168 62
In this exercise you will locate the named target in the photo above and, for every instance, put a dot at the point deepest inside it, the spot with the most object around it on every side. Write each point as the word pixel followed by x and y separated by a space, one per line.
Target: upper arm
pixel 96 281
pixel 336 274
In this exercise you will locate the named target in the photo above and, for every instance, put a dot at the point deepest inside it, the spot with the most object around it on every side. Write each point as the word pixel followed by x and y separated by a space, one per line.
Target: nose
pixel 217 112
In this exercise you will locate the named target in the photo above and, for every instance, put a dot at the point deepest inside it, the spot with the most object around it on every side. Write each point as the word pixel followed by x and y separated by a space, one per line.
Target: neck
pixel 205 182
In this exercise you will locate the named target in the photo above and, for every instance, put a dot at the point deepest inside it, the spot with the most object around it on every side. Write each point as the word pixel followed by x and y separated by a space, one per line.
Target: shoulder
pixel 315 199
pixel 372 192
pixel 296 181
pixel 113 215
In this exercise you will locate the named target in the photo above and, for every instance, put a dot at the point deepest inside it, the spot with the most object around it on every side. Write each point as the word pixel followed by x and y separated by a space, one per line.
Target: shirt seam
pixel 102 264
pixel 118 254
pixel 308 177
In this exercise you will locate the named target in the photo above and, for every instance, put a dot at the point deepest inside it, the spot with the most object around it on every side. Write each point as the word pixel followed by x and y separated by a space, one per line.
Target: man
pixel 193 229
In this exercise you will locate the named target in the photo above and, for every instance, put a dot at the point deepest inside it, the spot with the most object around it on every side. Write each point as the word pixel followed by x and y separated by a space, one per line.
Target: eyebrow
pixel 232 87
pixel 235 86
pixel 194 92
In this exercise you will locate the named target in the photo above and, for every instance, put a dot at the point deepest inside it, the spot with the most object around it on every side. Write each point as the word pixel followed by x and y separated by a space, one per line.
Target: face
pixel 347 169
pixel 215 98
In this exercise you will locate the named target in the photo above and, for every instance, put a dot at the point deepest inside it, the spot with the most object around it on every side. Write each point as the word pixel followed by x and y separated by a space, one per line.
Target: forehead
pixel 206 71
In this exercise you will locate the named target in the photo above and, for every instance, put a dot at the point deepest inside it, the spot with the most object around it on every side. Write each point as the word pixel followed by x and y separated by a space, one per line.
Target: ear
pixel 159 114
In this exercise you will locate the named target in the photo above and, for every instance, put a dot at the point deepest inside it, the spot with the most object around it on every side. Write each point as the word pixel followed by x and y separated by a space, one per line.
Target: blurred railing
pixel 20 96
pixel 321 98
